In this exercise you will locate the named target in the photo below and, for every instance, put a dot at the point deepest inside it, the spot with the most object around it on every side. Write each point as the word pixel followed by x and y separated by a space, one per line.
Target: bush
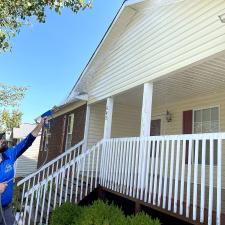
pixel 99 213
pixel 65 214
pixel 17 198
pixel 142 219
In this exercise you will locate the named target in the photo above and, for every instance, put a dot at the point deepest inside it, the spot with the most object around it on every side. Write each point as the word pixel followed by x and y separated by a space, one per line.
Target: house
pixel 27 163
pixel 146 118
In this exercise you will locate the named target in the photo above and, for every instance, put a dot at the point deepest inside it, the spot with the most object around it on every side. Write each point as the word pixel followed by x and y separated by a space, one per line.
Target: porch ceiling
pixel 203 79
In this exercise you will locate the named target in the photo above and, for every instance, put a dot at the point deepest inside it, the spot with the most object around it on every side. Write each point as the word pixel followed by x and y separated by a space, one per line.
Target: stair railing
pixel 68 178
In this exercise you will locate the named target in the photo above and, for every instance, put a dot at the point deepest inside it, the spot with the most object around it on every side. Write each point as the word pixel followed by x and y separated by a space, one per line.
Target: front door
pixel 155 127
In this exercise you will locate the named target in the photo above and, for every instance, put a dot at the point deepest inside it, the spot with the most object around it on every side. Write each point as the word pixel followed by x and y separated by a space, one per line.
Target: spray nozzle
pixel 47 114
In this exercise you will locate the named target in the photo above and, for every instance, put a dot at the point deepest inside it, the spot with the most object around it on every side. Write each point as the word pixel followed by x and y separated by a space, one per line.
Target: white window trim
pixel 202 108
pixel 219 130
pixel 72 124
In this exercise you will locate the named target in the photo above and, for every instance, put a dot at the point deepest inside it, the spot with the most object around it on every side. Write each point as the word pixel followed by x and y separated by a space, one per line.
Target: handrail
pixel 183 136
pixel 50 163
pixel 71 181
pixel 49 178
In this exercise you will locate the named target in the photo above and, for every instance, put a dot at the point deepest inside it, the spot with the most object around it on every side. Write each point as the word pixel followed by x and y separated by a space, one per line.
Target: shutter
pixel 187 128
pixel 187 122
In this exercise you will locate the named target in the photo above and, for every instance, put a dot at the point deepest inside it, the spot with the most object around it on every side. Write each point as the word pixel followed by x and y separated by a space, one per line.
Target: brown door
pixel 155 127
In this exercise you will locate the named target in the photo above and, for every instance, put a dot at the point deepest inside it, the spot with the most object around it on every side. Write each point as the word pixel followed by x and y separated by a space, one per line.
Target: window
pixel 206 121
pixel 69 132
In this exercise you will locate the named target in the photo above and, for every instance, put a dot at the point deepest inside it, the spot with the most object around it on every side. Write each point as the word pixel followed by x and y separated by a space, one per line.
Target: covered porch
pixel 186 113
pixel 194 89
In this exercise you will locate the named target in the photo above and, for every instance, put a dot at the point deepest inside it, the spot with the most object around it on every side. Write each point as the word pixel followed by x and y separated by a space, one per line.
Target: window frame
pixel 203 108
pixel 193 123
pixel 67 129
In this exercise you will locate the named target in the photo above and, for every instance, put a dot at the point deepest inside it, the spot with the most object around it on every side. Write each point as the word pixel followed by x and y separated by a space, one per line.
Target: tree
pixel 10 96
pixel 8 119
pixel 15 13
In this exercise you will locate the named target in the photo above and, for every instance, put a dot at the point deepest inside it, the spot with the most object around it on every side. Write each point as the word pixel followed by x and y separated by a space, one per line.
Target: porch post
pixel 86 128
pixel 146 110
pixel 108 118
pixel 145 132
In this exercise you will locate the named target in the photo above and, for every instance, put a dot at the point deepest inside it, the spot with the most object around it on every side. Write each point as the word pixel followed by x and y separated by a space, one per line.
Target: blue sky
pixel 48 58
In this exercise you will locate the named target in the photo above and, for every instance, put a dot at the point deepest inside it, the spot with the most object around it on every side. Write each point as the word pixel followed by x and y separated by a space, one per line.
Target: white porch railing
pixel 61 180
pixel 164 171
pixel 168 171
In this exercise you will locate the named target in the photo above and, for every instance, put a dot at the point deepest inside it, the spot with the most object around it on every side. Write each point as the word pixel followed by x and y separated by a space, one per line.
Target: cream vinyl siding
pixel 176 109
pixel 27 163
pixel 157 41
pixel 125 122
pixel 176 126
pixel 96 124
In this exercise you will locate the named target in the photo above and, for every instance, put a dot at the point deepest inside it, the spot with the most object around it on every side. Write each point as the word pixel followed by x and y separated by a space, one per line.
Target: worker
pixel 8 156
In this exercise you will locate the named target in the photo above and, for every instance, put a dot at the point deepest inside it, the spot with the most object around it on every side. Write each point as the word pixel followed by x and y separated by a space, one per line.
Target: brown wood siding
pixel 56 144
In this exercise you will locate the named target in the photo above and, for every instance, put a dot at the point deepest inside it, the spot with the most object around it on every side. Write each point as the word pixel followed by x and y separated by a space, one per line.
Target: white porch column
pixel 146 110
pixel 145 132
pixel 86 128
pixel 108 118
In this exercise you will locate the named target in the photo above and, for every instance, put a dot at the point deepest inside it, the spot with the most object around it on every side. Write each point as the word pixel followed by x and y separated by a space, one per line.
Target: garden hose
pixel 1 211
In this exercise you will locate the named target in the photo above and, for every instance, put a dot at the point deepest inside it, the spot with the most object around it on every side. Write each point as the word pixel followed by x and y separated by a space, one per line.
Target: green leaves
pixel 8 119
pixel 10 96
pixel 142 219
pixel 99 213
pixel 65 214
pixel 14 14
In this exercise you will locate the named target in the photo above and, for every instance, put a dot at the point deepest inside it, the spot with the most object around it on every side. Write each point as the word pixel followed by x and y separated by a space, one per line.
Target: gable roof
pixel 73 96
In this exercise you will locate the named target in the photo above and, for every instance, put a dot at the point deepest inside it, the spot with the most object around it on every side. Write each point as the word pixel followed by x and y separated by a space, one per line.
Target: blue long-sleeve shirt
pixel 7 166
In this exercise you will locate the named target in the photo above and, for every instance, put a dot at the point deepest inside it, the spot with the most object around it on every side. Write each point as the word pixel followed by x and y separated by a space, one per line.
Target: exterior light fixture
pixel 222 18
pixel 168 116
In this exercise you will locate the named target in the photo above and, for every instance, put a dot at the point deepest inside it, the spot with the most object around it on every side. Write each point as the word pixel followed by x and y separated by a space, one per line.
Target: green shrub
pixel 65 214
pixel 100 213
pixel 142 219
pixel 17 198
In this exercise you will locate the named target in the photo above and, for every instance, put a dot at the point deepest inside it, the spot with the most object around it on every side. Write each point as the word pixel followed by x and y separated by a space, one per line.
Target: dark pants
pixel 8 214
